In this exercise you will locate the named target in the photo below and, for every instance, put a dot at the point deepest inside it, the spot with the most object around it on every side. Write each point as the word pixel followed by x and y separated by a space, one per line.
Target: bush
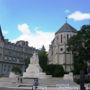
pixel 50 69
pixel 43 60
pixel 16 70
pixel 55 70
pixel 58 71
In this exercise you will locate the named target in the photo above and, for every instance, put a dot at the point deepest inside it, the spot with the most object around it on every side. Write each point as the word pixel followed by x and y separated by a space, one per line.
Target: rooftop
pixel 66 28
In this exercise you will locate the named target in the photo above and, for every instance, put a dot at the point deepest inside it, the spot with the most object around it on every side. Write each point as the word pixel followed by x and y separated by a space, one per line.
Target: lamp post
pixel 82 80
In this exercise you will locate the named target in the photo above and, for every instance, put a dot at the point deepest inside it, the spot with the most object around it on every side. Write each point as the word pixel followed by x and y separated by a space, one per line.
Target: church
pixel 58 50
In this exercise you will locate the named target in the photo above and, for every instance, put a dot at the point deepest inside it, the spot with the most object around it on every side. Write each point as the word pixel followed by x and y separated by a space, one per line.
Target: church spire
pixel 1 35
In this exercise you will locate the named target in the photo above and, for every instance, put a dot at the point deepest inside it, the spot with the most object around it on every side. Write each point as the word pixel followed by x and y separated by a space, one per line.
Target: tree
pixel 16 70
pixel 80 47
pixel 43 48
pixel 43 59
pixel 27 62
pixel 54 70
pixel 58 71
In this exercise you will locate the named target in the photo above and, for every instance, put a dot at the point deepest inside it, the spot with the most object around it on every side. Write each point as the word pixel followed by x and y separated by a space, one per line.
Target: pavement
pixel 44 84
pixel 5 88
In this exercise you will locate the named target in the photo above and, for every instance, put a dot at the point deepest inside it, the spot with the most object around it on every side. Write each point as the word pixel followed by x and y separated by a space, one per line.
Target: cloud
pixel 4 32
pixel 78 16
pixel 23 28
pixel 67 11
pixel 36 38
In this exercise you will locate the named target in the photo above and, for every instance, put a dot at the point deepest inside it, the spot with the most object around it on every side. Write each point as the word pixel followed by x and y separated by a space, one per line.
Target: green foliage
pixel 80 47
pixel 79 64
pixel 55 70
pixel 43 48
pixel 27 62
pixel 16 70
pixel 43 59
pixel 50 69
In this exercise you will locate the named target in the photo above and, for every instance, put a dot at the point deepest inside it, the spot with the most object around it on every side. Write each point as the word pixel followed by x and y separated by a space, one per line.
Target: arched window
pixel 61 38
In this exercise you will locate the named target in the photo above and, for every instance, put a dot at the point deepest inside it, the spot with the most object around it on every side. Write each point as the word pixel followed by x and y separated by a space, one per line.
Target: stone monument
pixel 68 76
pixel 13 75
pixel 34 70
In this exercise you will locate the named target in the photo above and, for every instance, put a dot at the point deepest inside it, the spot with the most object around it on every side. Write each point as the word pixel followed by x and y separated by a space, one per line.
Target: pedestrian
pixel 18 79
pixel 35 84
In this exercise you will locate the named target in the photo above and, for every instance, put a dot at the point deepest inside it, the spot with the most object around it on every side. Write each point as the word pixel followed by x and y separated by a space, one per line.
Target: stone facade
pixel 13 54
pixel 58 52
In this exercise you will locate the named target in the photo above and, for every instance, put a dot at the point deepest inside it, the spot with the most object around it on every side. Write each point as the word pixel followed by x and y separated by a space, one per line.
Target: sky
pixel 36 21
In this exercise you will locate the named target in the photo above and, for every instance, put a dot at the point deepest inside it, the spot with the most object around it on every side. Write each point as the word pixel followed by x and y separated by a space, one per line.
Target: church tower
pixel 58 52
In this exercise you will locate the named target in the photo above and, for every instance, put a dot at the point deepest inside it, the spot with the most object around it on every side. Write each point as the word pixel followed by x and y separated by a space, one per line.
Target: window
pixel 5 65
pixel 68 49
pixel 61 49
pixel 67 36
pixel 10 58
pixel 61 38
pixel 4 69
pixel 5 58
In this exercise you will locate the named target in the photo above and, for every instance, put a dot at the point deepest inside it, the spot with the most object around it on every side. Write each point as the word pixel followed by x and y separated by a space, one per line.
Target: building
pixel 13 54
pixel 58 52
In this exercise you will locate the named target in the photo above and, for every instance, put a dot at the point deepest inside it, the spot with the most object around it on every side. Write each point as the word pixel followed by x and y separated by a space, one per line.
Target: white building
pixel 58 52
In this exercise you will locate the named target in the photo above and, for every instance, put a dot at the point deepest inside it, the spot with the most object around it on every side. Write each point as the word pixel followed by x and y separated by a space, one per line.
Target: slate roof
pixel 66 28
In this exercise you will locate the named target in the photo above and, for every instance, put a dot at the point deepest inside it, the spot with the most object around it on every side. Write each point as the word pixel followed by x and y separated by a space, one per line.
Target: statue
pixel 34 70
pixel 34 59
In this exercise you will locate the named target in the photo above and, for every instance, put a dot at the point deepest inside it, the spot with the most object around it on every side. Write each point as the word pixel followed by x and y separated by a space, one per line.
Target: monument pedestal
pixel 68 76
pixel 13 75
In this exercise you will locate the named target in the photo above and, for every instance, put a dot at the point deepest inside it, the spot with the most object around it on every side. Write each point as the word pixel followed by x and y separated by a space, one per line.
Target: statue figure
pixel 34 59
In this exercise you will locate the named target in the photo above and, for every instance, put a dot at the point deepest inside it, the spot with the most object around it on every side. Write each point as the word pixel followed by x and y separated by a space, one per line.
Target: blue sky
pixel 38 20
